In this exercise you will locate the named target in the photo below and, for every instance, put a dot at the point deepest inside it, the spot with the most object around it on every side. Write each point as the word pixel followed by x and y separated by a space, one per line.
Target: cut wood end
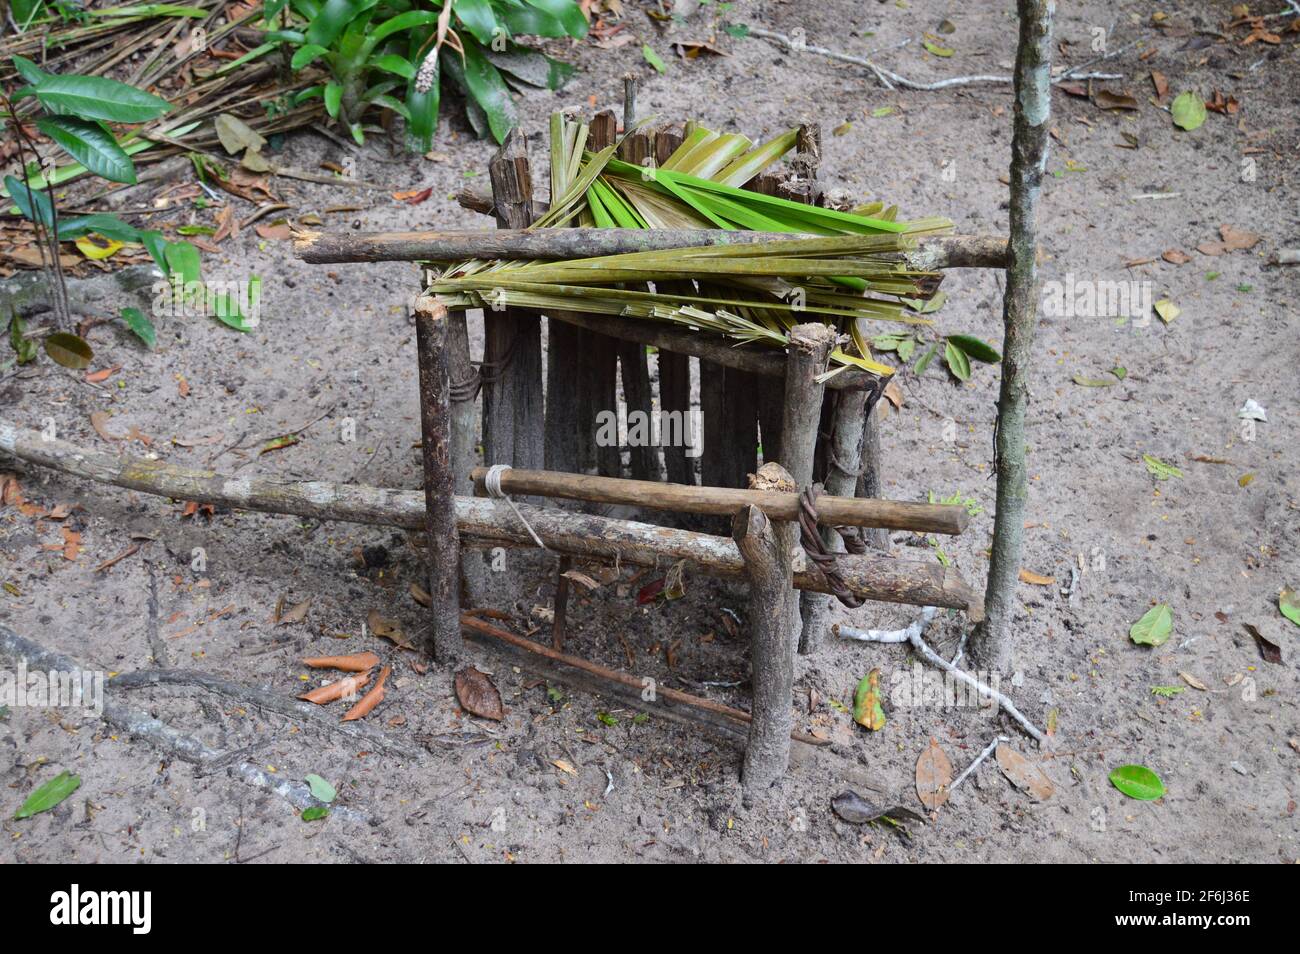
pixel 772 476
pixel 426 306
pixel 812 336
pixel 305 240
pixel 748 521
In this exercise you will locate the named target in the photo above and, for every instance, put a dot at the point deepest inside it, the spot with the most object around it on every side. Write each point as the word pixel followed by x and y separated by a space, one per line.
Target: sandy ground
pixel 336 343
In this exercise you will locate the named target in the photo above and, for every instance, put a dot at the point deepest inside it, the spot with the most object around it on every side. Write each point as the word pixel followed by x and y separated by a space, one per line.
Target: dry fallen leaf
pixel 420 596
pixel 1029 576
pixel 893 393
pixel 370 699
pixel 564 767
pixel 478 695
pixel 1176 256
pixel 296 614
pixel 1161 84
pixel 1192 681
pixel 581 578
pixel 933 776
pixel 388 629
pixel 1024 774
pixel 347 686
pixel 355 662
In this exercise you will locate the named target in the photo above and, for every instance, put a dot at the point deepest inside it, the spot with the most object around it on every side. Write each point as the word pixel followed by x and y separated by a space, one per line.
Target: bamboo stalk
pixel 932 252
pixel 720 501
pixel 485 522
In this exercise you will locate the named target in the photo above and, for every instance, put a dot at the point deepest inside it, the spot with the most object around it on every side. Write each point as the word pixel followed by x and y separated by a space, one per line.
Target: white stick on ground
pixel 913 634
pixel 978 759
pixel 889 79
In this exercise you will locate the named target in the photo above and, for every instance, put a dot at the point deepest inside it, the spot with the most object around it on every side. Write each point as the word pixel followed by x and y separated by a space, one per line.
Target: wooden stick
pixel 613 675
pixel 767 564
pixel 512 351
pixel 486 522
pixel 868 483
pixel 561 602
pixel 431 324
pixel 718 501
pixel 843 451
pixel 806 359
pixel 932 252
pixel 1031 120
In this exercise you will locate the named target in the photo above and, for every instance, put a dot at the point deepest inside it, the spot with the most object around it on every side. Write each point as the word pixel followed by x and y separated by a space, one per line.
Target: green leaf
pixel 29 71
pixel 936 49
pixel 652 58
pixel 333 98
pixel 737 30
pixel 314 813
pixel 306 55
pixel 1289 603
pixel 867 711
pixel 68 350
pixel 489 90
pixel 926 359
pixel 31 203
pixel 321 790
pixel 957 361
pixel 423 110
pixel 334 18
pixel 1138 781
pixel 1188 110
pixel 101 223
pixel 24 348
pixel 183 260
pixel 1159 469
pixel 48 795
pixel 1155 626
pixel 397 65
pixel 142 327
pixel 96 97
pixel 975 348
pixel 403 21
pixel 565 12
pixel 91 145
pixel 478 18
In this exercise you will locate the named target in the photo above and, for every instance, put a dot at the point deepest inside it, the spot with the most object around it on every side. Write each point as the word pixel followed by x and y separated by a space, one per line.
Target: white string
pixel 492 484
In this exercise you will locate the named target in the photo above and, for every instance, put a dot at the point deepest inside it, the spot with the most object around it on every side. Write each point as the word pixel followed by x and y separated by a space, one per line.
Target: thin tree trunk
pixel 991 644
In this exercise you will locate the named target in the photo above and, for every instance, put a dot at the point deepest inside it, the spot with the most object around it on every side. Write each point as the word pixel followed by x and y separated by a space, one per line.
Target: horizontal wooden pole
pixel 486 522
pixel 933 252
pixel 725 501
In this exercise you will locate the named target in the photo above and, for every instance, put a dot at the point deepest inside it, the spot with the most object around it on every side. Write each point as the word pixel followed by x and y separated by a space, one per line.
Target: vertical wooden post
pixel 843 452
pixel 675 369
pixel 767 563
pixel 868 484
pixel 806 358
pixel 512 355
pixel 600 352
pixel 431 326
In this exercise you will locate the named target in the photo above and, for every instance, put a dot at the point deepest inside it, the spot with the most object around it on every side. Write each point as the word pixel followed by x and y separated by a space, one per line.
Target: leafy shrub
pixel 374 51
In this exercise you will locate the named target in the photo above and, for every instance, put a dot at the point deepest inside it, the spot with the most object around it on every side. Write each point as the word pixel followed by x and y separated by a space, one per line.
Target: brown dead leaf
pixel 413 196
pixel 420 596
pixel 564 767
pixel 478 695
pixel 691 49
pixel 388 629
pixel 94 377
pixel 71 543
pixel 99 421
pixel 1105 99
pixel 933 776
pixel 296 614
pixel 227 225
pixel 582 579
pixel 355 662
pixel 1235 238
pixel 1024 774
pixel 274 231
pixel 1161 84
pixel 370 699
pixel 1175 256
pixel 893 393
pixel 1029 576
pixel 1192 681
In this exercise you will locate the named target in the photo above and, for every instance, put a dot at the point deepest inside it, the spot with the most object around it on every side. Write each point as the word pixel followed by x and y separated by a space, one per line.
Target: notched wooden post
pixel 807 357
pixel 431 332
pixel 767 565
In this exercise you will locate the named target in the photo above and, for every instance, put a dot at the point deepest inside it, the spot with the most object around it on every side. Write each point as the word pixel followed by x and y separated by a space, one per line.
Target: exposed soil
pixel 337 342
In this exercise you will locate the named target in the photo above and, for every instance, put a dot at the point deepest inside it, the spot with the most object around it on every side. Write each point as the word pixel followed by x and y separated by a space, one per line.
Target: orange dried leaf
pixel 1029 576
pixel 347 686
pixel 370 699
pixel 356 662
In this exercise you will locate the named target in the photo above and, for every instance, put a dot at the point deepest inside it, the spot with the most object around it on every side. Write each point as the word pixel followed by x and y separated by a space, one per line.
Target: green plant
pixel 393 54
pixel 75 115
